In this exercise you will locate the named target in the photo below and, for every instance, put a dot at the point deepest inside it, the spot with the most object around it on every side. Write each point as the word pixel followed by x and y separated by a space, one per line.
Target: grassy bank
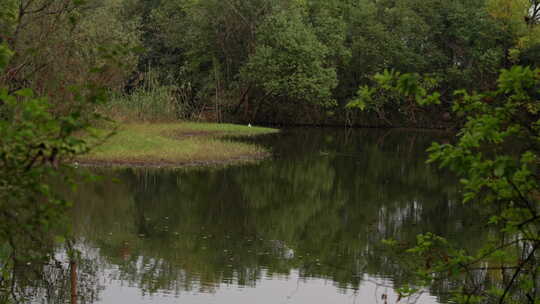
pixel 176 144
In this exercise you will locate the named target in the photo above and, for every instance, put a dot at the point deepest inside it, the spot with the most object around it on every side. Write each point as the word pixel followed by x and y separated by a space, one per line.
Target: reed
pixel 150 101
pixel 176 144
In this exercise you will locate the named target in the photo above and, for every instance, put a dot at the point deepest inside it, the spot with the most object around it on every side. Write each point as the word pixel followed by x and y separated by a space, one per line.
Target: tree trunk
pixel 73 277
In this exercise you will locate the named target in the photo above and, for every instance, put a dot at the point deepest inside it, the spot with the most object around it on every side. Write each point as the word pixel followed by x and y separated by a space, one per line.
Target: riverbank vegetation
pixel 301 62
pixel 254 61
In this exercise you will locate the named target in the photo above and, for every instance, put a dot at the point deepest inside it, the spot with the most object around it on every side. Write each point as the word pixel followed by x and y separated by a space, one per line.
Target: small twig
pixel 521 196
pixel 516 273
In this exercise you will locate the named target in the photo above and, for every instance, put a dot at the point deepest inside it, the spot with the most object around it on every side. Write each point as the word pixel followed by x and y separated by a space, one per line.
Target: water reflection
pixel 303 227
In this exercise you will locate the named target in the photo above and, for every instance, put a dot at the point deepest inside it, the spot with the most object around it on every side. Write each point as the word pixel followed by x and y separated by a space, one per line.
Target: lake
pixel 304 226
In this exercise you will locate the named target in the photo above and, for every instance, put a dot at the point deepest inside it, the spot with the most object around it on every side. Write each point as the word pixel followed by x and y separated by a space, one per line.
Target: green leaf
pixel 499 170
pixel 5 56
pixel 25 93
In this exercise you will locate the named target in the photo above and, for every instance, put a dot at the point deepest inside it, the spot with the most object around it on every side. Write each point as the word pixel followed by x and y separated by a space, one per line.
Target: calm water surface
pixel 302 227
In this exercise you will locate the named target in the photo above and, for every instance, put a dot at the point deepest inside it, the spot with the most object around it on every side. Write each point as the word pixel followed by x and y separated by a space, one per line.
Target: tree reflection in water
pixel 320 209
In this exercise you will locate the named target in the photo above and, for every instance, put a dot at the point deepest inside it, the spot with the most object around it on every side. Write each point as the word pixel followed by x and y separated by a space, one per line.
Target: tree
pixel 76 44
pixel 38 143
pixel 497 155
pixel 290 62
pixel 456 42
pixel 216 52
pixel 209 42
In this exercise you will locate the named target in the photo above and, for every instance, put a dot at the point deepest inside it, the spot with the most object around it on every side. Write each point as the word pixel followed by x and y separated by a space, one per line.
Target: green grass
pixel 176 144
pixel 223 129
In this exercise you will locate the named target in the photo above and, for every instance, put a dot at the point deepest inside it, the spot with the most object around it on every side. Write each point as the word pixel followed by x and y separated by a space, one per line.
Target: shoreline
pixel 244 159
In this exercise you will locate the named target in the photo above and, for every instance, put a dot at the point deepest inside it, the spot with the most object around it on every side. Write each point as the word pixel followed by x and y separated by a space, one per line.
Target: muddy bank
pixel 247 158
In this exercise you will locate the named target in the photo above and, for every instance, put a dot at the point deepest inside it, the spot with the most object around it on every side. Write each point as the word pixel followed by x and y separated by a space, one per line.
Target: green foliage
pixel 289 61
pixel 235 53
pixel 496 155
pixel 453 39
pixel 5 55
pixel 8 15
pixel 255 59
pixel 37 145
pixel 394 89
pixel 517 17
pixel 265 56
pixel 83 40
